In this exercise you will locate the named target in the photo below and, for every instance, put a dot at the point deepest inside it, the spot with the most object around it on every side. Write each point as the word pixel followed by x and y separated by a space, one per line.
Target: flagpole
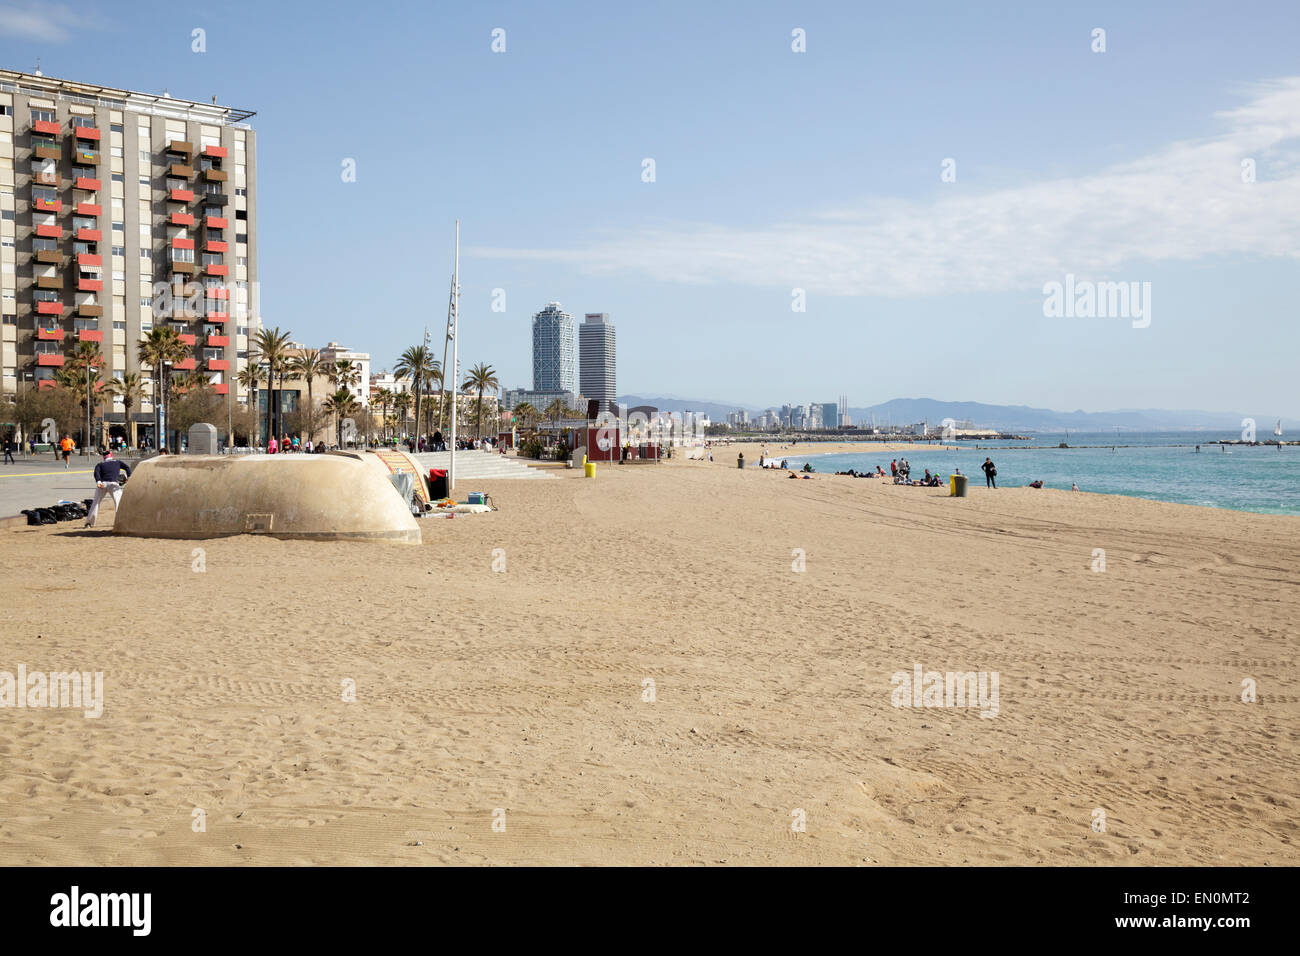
pixel 455 358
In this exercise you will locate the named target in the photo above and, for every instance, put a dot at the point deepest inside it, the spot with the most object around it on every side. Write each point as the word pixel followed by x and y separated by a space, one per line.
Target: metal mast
pixel 455 357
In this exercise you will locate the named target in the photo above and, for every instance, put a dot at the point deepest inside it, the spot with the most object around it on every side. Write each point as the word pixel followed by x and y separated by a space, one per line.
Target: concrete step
pixel 480 465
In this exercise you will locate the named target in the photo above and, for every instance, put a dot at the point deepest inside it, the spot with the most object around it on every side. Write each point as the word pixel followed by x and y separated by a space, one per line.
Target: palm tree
pixel 272 348
pixel 129 390
pixel 402 405
pixel 75 376
pixel 385 397
pixel 341 403
pixel 159 349
pixel 417 364
pixel 309 364
pixel 557 410
pixel 480 377
pixel 249 377
pixel 525 414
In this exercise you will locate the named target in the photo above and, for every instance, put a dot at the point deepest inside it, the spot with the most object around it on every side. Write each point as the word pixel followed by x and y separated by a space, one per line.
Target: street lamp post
pixel 165 381
pixel 89 369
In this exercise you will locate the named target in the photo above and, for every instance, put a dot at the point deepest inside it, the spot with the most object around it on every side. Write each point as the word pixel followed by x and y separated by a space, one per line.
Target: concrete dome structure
pixel 325 497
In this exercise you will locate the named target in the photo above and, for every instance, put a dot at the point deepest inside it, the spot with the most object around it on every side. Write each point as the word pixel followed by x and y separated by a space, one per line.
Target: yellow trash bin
pixel 589 469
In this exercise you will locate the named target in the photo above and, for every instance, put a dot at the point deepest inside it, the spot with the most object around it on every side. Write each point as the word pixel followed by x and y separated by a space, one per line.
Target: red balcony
pixel 181 195
pixel 90 235
pixel 215 245
pixel 46 382
pixel 47 205
pixel 88 184
pixel 216 152
pixel 218 340
pixel 90 335
pixel 217 222
pixel 221 389
pixel 182 219
pixel 218 318
pixel 50 232
pixel 89 209
pixel 50 358
pixel 90 285
pixel 185 366
pixel 217 270
pixel 86 132
pixel 45 126
pixel 50 335
pixel 179 243
pixel 88 259
pixel 188 339
pixel 218 365
pixel 49 308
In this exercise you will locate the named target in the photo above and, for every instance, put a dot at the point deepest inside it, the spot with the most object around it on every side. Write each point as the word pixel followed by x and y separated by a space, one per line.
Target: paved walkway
pixel 39 481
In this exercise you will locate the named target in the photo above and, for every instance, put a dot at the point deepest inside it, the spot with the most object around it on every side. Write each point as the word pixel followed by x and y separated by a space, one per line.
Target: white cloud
pixel 1185 202
pixel 46 22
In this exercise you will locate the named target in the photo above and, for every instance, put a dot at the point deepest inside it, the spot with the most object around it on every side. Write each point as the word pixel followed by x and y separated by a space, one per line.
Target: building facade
pixel 597 358
pixel 333 352
pixel 554 359
pixel 122 211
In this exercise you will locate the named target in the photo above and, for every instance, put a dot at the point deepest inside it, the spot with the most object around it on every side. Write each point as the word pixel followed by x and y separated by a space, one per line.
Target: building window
pixel 144 156
pixel 6 110
pixel 241 191
pixel 82 121
pixel 242 260
pixel 146 253
pixel 42 116
pixel 115 151
pixel 84 222
pixel 10 319
pixel 6 215
pixel 241 237
pixel 117 178
pixel 119 326
pixel 144 180
pixel 115 127
pixel 119 276
pixel 119 226
pixel 119 250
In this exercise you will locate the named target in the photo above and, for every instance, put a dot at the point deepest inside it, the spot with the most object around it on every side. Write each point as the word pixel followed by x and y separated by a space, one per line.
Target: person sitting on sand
pixel 1036 484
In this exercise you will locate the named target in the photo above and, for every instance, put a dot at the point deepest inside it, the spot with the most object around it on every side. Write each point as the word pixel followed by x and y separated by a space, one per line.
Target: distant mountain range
pixel 1016 418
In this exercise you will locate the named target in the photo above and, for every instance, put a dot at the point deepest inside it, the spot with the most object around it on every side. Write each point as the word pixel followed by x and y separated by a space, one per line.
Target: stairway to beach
pixel 480 465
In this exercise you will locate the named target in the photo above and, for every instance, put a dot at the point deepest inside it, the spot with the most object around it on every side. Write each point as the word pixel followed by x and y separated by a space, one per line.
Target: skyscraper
pixel 121 212
pixel 596 357
pixel 554 359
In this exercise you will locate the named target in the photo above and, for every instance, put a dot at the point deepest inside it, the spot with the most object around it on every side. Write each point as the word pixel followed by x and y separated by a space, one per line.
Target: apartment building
pixel 120 211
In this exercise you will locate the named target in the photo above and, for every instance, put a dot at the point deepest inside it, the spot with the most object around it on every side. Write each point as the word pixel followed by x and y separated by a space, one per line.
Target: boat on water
pixel 1277 429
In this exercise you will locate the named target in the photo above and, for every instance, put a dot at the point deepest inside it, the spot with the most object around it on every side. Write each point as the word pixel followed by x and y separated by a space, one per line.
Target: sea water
pixel 1164 466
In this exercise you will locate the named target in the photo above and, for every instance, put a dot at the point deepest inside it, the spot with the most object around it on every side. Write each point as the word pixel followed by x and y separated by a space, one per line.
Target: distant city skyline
pixel 911 180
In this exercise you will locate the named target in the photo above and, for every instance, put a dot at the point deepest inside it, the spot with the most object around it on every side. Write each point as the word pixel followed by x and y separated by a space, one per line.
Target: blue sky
pixel 774 170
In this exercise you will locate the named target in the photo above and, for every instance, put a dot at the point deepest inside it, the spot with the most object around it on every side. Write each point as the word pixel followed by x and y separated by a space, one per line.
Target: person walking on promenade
pixel 108 474
pixel 9 450
pixel 990 473
pixel 272 446
pixel 65 449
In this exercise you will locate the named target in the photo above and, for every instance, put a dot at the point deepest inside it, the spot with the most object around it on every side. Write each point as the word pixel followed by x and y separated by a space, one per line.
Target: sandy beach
pixel 519 696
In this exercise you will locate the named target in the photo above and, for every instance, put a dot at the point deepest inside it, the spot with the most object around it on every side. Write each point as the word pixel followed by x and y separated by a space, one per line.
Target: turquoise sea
pixel 1161 465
